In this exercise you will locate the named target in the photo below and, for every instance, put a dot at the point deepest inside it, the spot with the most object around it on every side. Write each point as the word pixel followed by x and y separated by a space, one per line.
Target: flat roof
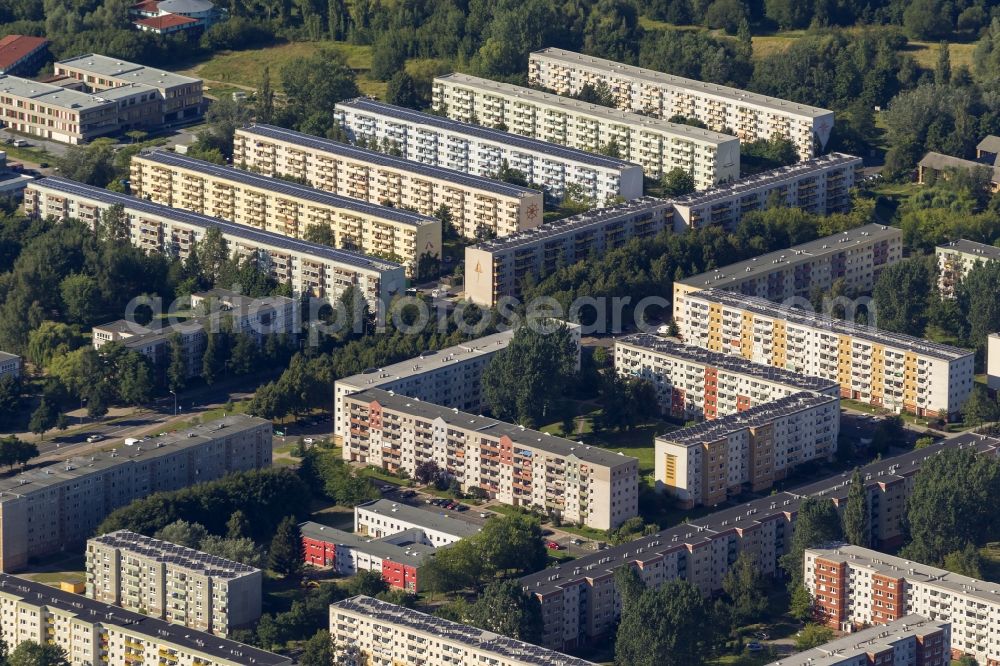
pixel 767 179
pixel 710 431
pixel 126 91
pixel 513 141
pixel 454 523
pixel 813 320
pixel 809 251
pixel 573 224
pixel 40 478
pixel 284 187
pixel 73 188
pixel 390 161
pixel 174 554
pixel 574 105
pixel 46 93
pixel 412 553
pixel 429 360
pixel 727 362
pixel 15 47
pixel 491 427
pixel 102 65
pixel 746 515
pixel 986 252
pixel 159 631
pixel 864 641
pixel 660 78
pixel 898 567
pixel 479 639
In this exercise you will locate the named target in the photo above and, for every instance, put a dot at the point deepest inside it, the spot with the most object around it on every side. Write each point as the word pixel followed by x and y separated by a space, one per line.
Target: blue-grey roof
pixel 390 161
pixel 486 134
pixel 185 6
pixel 71 187
pixel 285 187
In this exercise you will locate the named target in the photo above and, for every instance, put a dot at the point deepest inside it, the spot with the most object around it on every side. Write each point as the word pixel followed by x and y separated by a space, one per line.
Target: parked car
pixel 754 646
pixel 461 507
pixel 552 545
pixel 279 433
pixel 308 440
pixel 547 532
pixel 94 438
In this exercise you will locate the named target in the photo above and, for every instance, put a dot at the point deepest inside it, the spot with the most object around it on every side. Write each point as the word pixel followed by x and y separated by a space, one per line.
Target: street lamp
pixel 173 393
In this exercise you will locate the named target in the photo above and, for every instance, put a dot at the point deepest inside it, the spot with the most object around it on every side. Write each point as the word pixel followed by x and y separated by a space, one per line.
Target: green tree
pixel 801 604
pixel 505 609
pixel 667 626
pixel 901 295
pixel 320 233
pixel 13 451
pixel 91 163
pixel 402 91
pixel 318 650
pixel 889 432
pixel 10 399
pixel 177 368
pixel 43 418
pixel 244 355
pixel 511 546
pixel 856 516
pixel 265 102
pixel 81 297
pixel 630 586
pixel 51 339
pixel 746 588
pixel 926 19
pixel 134 377
pixel 942 70
pixel 212 253
pixel 240 549
pixel 215 356
pixel 388 56
pixel 313 85
pixel 30 653
pixel 183 533
pixel 678 182
pixel 368 583
pixel 923 443
pixel 285 555
pixel 980 408
pixel 965 562
pixel 816 522
pixel 813 635
pixel 238 525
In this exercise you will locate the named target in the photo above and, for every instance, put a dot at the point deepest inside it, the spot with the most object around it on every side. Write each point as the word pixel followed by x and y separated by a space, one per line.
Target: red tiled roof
pixel 146 6
pixel 15 47
pixel 165 21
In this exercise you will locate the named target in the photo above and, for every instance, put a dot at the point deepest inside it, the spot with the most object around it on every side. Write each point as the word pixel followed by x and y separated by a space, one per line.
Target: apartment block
pixel 47 509
pixel 658 146
pixel 496 269
pixel 854 586
pixel 257 317
pixel 579 601
pixel 439 141
pixel 855 257
pixel 695 383
pixel 10 365
pixel 514 465
pixel 956 259
pixel 173 583
pixel 285 208
pixel 380 518
pixel 749 115
pixel 886 369
pixel 155 343
pixel 909 641
pixel 451 377
pixel 52 112
pixel 705 464
pixel 369 632
pixel 179 97
pixel 92 632
pixel 479 206
pixel 820 185
pixel 310 268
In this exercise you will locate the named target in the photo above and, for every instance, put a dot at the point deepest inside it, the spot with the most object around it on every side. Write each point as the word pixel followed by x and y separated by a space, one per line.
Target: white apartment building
pixel 890 370
pixel 854 586
pixel 92 632
pixel 380 518
pixel 173 583
pixel 10 365
pixel 155 343
pixel 48 509
pixel 310 268
pixel 285 208
pixel 586 485
pixel 369 632
pixel 695 383
pixel 257 317
pixel 956 259
pixel 658 146
pixel 749 115
pixel 820 185
pixel 706 463
pixel 496 269
pixel 855 257
pixel 479 206
pixel 910 641
pixel 438 141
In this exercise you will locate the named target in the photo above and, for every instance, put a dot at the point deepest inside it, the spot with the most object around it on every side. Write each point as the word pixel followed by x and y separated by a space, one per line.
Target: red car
pixel 553 545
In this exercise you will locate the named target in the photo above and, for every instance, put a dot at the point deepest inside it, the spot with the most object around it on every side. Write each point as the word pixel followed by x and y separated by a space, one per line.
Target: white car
pixel 93 438
pixel 308 440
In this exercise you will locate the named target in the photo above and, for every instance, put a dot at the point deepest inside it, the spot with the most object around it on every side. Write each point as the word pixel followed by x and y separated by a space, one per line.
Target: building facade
pixel 285 208
pixel 257 317
pixel 173 583
pixel 656 145
pixel 479 206
pixel 705 464
pixel 480 151
pixel 380 518
pixel 956 259
pixel 695 383
pixel 497 269
pixel 580 604
pixel 48 509
pixel 369 632
pixel 854 586
pixel 92 632
pixel 855 258
pixel 310 268
pixel 10 365
pixel 890 370
pixel 912 640
pixel 52 112
pixel 749 115
pixel 820 185
pixel 584 484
